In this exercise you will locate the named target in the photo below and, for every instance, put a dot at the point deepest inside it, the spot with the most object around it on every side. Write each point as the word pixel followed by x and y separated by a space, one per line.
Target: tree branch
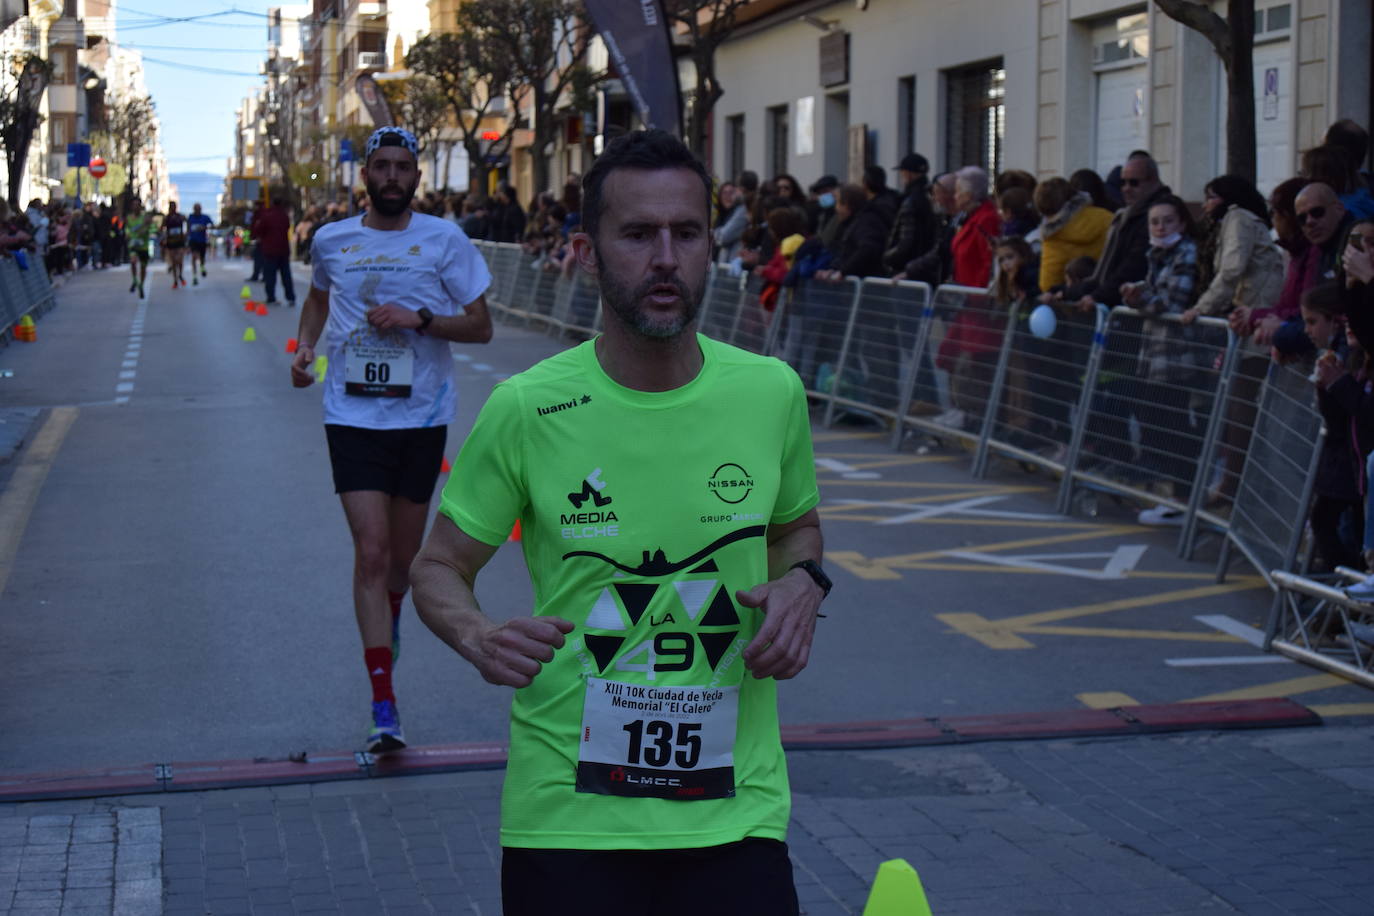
pixel 1201 19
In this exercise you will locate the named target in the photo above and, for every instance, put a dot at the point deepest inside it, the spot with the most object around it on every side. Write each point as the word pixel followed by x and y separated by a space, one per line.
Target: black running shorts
pixel 398 462
pixel 197 247
pixel 750 878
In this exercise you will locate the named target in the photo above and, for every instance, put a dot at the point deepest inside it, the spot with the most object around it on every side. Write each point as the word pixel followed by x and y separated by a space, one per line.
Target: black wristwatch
pixel 426 316
pixel 813 569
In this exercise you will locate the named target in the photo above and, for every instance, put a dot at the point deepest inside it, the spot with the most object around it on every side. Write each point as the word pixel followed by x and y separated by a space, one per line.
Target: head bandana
pixel 391 136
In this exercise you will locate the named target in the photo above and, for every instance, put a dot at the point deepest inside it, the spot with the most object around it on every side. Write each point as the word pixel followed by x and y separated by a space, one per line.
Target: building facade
pixel 1049 86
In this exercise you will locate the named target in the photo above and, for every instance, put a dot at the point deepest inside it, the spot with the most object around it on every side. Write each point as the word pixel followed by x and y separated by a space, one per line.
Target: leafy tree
pixel 471 73
pixel 423 110
pixel 23 78
pixel 708 24
pixel 543 42
pixel 1233 38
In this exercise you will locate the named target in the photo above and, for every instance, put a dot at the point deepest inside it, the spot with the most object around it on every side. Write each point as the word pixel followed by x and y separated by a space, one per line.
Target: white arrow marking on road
pixel 1119 562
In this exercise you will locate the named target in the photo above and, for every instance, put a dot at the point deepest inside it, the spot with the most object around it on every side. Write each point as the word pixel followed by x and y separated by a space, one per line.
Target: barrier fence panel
pixel 1269 513
pixel 1153 394
pixel 23 291
pixel 543 296
pixel 13 297
pixel 583 305
pixel 812 322
pixel 1042 389
pixel 1316 623
pixel 878 346
pixel 721 307
pixel 961 336
pixel 753 329
pixel 520 303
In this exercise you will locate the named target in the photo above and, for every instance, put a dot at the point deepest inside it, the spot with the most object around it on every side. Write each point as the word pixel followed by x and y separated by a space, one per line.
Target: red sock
pixel 395 598
pixel 378 659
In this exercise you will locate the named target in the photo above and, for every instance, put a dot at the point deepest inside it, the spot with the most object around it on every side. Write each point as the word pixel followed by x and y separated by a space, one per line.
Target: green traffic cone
pixel 245 293
pixel 249 334
pixel 897 891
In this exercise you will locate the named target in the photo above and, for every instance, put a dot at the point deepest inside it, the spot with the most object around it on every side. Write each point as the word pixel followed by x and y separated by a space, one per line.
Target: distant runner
pixel 138 235
pixel 198 225
pixel 173 237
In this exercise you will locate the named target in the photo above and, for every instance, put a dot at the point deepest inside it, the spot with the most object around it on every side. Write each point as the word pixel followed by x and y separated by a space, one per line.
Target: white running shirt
pixel 429 264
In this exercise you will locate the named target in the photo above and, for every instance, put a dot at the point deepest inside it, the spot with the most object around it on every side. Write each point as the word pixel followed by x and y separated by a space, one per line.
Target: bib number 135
pixel 658 744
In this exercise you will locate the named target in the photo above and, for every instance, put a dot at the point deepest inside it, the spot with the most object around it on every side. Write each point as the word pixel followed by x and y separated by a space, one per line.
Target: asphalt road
pixel 175 584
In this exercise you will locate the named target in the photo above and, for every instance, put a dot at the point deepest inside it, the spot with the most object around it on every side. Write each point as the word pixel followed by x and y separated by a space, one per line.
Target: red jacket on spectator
pixel 271 228
pixel 971 248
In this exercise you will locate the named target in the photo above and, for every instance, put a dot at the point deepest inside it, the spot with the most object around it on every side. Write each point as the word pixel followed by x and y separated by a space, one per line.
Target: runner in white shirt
pixel 390 290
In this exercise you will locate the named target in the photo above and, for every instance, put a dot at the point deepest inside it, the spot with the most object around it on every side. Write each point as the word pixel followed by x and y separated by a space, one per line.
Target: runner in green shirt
pixel 666 492
pixel 138 233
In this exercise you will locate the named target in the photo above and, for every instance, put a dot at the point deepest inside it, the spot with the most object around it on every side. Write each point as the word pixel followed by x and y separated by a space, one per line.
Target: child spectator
pixel 1343 402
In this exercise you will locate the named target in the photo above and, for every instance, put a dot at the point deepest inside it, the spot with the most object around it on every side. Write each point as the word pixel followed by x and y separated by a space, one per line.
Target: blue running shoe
pixel 386 729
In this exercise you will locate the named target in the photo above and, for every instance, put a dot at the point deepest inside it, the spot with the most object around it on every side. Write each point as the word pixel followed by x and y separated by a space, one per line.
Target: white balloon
pixel 1042 321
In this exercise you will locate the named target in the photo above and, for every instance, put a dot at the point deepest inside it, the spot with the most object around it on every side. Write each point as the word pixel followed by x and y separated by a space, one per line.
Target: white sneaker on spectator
pixel 953 417
pixel 1160 515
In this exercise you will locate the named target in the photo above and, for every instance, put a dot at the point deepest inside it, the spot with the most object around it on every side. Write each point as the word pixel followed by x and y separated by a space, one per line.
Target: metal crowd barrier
pixel 1113 402
pixel 1316 623
pixel 23 291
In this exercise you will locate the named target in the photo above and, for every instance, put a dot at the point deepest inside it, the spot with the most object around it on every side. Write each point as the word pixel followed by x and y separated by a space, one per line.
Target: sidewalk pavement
pixel 1276 821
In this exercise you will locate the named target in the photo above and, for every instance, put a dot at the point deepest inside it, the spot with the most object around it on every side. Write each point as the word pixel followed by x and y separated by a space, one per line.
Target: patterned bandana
pixel 391 136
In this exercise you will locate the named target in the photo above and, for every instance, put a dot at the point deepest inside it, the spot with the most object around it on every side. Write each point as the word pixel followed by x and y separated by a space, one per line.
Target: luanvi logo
pixel 565 405
pixel 731 483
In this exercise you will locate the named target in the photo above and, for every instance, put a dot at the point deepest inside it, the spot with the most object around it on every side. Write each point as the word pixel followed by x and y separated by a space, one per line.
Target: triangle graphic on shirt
pixel 708 567
pixel 603 648
pixel 694 594
pixel 605 614
pixel 715 645
pixel 722 611
pixel 636 597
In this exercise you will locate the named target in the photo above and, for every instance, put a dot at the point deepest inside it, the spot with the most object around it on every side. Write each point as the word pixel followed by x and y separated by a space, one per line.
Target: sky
pixel 185 45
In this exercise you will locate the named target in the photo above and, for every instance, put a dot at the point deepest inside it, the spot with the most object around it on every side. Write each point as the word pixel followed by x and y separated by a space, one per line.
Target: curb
pixel 196 776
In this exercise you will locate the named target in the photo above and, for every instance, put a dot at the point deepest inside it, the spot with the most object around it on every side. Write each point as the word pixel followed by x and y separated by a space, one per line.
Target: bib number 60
pixel 666 744
pixel 377 372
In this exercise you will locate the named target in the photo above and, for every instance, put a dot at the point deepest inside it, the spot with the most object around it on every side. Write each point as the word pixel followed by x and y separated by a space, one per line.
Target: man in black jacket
pixel 913 233
pixel 1128 237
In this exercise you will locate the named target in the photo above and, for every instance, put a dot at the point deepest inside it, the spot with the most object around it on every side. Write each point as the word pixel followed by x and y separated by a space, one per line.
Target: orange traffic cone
pixel 262 308
pixel 250 305
pixel 291 345
pixel 515 532
pixel 445 467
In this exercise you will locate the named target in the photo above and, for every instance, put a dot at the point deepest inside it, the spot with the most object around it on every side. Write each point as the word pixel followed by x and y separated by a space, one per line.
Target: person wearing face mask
pixel 1167 360
pixel 821 209
pixel 913 232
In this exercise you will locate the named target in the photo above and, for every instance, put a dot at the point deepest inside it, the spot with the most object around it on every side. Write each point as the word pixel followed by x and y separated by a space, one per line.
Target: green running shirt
pixel 641 515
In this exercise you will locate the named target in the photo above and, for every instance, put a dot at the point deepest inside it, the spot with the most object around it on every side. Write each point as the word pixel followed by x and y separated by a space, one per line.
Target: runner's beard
pixel 625 302
pixel 391 206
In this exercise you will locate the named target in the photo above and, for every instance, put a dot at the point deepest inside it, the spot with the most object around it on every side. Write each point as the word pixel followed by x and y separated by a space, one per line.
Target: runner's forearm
pixel 791 543
pixel 442 578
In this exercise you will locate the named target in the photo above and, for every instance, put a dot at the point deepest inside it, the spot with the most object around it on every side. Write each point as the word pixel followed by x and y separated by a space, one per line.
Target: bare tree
pixel 472 74
pixel 130 123
pixel 708 23
pixel 544 42
pixel 1233 38
pixel 23 78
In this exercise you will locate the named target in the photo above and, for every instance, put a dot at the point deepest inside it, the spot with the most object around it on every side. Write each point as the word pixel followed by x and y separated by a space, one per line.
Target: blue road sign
pixel 78 155
pixel 345 150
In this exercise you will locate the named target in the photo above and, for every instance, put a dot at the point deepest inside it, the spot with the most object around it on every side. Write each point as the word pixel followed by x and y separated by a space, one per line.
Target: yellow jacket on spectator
pixel 1077 230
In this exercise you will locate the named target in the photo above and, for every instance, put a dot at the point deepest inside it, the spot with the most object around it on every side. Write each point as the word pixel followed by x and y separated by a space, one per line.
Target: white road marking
pixel 1119 562
pixel 129 364
pixel 124 387
pixel 128 373
pixel 1253 635
pixel 1228 660
pixel 930 510
pixel 481 367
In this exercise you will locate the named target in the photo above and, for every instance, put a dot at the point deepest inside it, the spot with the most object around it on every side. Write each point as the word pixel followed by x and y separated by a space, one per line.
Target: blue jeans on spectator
pixel 270 267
